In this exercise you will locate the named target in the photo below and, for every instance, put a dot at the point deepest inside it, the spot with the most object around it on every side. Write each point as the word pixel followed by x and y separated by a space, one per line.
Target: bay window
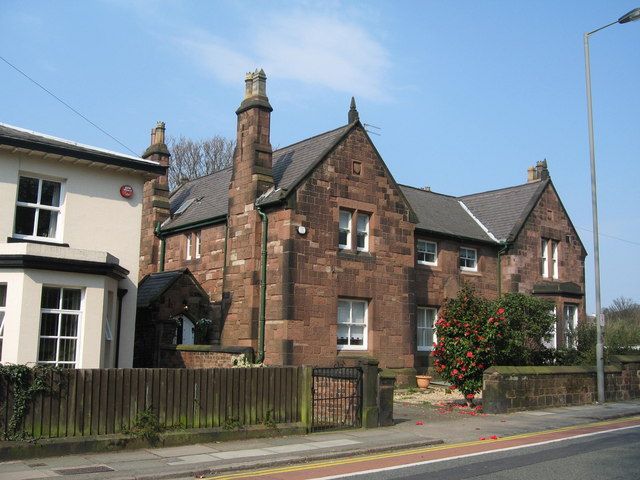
pixel 60 313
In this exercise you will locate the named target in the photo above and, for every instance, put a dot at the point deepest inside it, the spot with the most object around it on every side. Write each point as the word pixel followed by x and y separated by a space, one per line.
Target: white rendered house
pixel 69 250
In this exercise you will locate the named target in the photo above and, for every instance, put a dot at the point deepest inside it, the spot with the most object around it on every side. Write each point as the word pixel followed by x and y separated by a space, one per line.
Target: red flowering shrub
pixel 466 333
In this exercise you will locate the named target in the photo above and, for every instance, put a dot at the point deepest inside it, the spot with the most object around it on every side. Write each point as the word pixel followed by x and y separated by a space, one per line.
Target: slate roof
pixel 210 195
pixel 504 211
pixel 28 139
pixel 490 217
pixel 290 166
pixel 443 214
pixel 155 284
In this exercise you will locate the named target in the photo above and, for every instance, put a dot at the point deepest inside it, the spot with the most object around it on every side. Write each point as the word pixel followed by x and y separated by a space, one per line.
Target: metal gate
pixel 337 398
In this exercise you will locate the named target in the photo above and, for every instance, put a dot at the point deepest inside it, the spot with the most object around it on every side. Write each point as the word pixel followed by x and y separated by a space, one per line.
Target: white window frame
pixel 347 245
pixel 553 343
pixel 3 310
pixel 188 253
pixel 425 328
pixel 364 232
pixel 351 323
pixel 60 311
pixel 197 234
pixel 554 259
pixel 38 207
pixel 435 252
pixel 544 254
pixel 570 324
pixel 475 259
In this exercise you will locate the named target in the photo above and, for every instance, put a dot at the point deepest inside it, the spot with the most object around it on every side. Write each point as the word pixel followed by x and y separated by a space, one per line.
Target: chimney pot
pixel 159 133
pixel 531 175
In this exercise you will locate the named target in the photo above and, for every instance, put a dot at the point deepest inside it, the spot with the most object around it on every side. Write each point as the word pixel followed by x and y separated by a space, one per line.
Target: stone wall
pixel 200 356
pixel 308 273
pixel 208 268
pixel 510 389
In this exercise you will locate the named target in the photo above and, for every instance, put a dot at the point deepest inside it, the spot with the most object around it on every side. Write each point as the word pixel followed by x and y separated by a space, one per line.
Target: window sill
pixel 53 243
pixel 350 348
pixel 355 255
pixel 471 273
pixel 428 266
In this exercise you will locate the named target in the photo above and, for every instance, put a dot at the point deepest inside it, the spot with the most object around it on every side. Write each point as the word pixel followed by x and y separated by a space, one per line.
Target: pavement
pixel 416 425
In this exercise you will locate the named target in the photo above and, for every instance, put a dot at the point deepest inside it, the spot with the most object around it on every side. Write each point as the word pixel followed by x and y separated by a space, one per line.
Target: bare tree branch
pixel 194 158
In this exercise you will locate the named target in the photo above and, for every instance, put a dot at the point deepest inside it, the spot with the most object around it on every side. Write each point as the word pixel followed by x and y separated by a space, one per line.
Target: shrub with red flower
pixel 467 332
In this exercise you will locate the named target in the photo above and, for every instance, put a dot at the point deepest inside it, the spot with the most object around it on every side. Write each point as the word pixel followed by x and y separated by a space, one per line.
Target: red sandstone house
pixel 356 265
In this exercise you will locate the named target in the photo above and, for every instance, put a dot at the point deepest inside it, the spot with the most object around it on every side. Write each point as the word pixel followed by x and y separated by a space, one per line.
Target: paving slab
pixel 338 442
pixel 27 475
pixel 242 453
pixel 181 451
pixel 190 459
pixel 300 447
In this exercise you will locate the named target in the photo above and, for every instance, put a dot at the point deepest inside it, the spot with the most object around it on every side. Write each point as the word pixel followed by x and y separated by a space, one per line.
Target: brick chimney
pixel 252 163
pixel 155 202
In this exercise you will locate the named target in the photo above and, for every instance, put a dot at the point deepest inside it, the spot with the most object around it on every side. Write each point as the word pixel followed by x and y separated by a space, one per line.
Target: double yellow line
pixel 400 453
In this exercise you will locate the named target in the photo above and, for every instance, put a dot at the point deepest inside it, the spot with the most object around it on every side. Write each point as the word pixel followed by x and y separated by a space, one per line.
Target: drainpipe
pixel 158 234
pixel 263 286
pixel 121 293
pixel 505 247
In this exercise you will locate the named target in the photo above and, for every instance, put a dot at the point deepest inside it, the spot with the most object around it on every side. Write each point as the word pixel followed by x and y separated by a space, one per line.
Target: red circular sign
pixel 126 191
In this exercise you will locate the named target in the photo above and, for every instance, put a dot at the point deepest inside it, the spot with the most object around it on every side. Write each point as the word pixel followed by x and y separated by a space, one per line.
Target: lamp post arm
pixel 601 28
pixel 596 239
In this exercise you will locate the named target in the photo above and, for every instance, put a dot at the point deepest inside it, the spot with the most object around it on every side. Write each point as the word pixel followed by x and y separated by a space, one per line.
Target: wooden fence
pixel 105 401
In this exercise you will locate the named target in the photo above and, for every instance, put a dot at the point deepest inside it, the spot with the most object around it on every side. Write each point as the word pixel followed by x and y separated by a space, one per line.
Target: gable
pixel 558 214
pixel 504 211
pixel 346 136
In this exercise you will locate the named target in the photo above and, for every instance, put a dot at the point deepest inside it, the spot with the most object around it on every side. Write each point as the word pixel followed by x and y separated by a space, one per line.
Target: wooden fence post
pixel 306 397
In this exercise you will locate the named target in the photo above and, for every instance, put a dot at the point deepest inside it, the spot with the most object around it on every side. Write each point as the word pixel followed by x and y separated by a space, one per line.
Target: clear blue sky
pixel 467 95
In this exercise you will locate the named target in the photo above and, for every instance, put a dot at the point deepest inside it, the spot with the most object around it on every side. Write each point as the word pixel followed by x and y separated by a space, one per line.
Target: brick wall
pixel 200 356
pixel 510 389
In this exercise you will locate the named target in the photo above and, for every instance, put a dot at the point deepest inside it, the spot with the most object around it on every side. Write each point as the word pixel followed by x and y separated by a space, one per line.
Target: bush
pixel 529 322
pixel 467 335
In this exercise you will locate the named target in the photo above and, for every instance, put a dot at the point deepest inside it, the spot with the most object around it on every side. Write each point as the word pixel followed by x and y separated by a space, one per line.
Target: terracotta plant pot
pixel 423 381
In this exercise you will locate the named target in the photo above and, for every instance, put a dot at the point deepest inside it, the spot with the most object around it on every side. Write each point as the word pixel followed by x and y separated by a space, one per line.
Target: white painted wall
pixel 96 218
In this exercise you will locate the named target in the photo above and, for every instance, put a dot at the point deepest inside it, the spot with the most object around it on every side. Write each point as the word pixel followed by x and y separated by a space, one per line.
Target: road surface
pixel 604 450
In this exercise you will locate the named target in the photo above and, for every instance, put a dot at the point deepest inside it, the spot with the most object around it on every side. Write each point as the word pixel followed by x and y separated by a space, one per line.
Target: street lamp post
pixel 631 16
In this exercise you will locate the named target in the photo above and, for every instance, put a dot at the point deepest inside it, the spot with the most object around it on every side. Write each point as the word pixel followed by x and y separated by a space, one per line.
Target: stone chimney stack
pixel 539 172
pixel 252 163
pixel 542 172
pixel 155 202
pixel 251 177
